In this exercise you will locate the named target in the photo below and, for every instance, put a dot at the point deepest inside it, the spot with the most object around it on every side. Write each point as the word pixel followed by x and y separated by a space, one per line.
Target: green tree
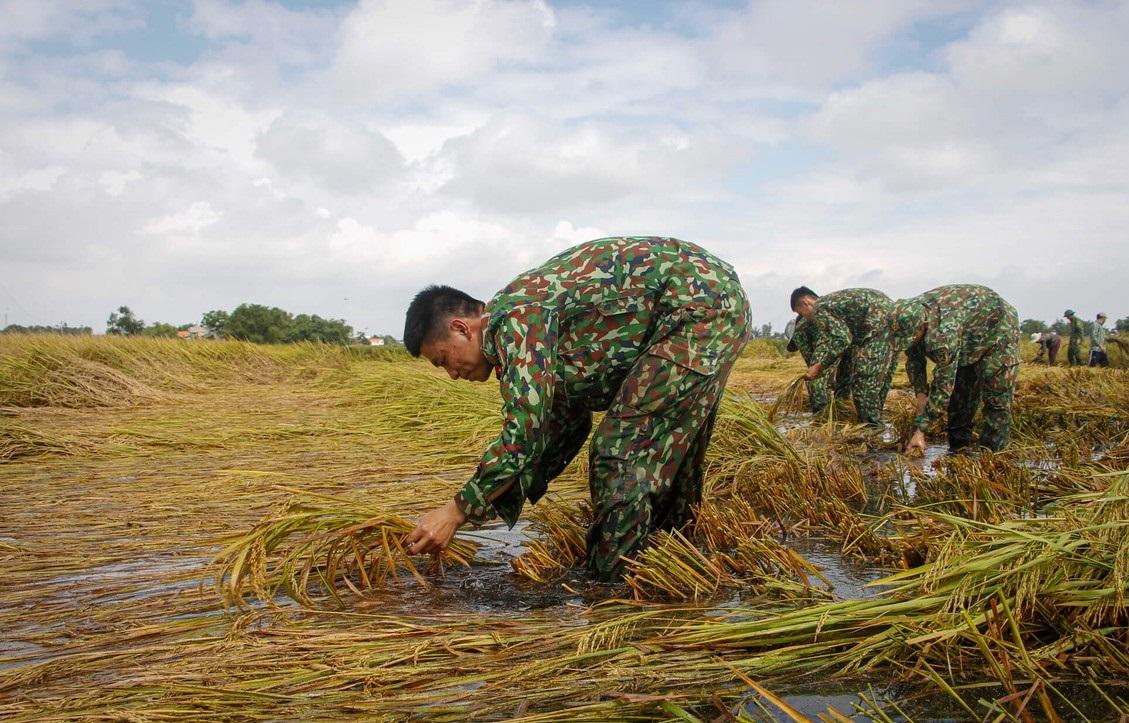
pixel 314 328
pixel 1030 326
pixel 123 323
pixel 1121 325
pixel 159 329
pixel 260 324
pixel 215 321
pixel 58 329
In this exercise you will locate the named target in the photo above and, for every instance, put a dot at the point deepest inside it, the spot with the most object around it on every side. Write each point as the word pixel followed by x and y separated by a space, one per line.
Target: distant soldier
pixel 1098 357
pixel 803 341
pixel 645 329
pixel 1049 343
pixel 1074 346
pixel 852 331
pixel 972 336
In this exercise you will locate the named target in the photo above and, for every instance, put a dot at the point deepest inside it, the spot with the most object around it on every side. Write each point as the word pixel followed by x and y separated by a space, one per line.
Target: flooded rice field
pixel 829 576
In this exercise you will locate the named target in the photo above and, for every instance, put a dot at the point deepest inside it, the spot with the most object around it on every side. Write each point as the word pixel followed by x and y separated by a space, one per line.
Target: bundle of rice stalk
pixel 987 486
pixel 672 567
pixel 325 540
pixel 725 524
pixel 561 542
pixel 791 397
pixel 745 443
pixel 1118 351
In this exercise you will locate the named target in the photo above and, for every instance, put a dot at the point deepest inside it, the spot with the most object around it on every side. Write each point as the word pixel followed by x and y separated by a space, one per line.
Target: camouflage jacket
pixel 1075 330
pixel 850 316
pixel 965 323
pixel 804 338
pixel 563 336
pixel 1097 336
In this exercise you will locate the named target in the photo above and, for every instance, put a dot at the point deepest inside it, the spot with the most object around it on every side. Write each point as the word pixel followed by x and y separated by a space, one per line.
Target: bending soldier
pixel 972 336
pixel 852 332
pixel 1049 343
pixel 645 328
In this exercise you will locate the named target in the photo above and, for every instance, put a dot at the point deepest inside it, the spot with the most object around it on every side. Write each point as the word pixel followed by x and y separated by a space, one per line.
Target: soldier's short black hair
pixel 429 312
pixel 799 293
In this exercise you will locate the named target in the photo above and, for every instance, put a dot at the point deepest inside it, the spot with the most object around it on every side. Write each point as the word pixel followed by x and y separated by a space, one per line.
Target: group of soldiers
pixel 852 340
pixel 1050 342
pixel 646 330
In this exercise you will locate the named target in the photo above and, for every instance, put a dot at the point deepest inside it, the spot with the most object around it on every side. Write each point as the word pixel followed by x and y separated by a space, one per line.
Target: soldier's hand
pixel 813 372
pixel 435 529
pixel 916 445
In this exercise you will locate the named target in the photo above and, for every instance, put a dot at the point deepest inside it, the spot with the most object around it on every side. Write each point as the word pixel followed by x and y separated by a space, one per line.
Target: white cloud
pixel 808 42
pixel 523 165
pixel 334 161
pixel 393 48
pixel 192 220
pixel 78 22
pixel 339 155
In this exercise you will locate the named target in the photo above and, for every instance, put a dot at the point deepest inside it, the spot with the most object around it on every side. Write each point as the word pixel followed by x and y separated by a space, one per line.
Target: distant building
pixel 195 332
pixel 376 340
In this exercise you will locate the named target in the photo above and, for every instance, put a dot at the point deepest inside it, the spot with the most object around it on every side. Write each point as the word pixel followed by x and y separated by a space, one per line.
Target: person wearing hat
pixel 1074 347
pixel 1098 356
pixel 972 336
pixel 1049 343
pixel 801 337
pixel 852 333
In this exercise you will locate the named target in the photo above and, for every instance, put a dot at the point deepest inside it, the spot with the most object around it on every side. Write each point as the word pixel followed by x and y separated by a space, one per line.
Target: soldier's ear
pixel 459 326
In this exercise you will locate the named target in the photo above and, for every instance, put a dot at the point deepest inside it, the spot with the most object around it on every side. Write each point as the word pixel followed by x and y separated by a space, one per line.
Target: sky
pixel 333 158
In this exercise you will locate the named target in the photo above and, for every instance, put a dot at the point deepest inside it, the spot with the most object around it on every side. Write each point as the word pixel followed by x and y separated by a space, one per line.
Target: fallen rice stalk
pixel 328 541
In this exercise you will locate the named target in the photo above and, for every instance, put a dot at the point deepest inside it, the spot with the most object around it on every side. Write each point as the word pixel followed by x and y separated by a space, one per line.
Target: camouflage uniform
pixel 1074 348
pixel 645 328
pixel 972 336
pixel 1098 357
pixel 803 339
pixel 853 329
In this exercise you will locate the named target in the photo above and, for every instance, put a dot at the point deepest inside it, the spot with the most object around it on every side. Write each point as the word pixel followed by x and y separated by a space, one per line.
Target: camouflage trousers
pixel 818 394
pixel 646 457
pixel 991 380
pixel 865 372
pixel 1074 353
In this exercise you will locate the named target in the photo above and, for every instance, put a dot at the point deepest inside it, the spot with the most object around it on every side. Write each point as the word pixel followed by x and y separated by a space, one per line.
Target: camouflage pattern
pixel 1098 355
pixel 853 329
pixel 804 338
pixel 1074 347
pixel 972 337
pixel 644 328
pixel 1097 336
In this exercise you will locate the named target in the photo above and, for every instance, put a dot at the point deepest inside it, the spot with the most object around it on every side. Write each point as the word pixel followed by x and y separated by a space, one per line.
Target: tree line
pixel 247 322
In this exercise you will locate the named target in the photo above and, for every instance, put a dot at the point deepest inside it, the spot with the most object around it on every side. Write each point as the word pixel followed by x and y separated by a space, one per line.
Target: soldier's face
pixel 805 307
pixel 459 353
